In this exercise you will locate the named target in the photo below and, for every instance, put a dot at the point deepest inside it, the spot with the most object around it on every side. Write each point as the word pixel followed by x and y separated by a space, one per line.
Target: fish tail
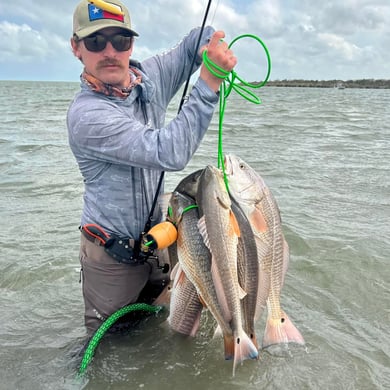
pixel 281 330
pixel 228 342
pixel 243 349
pixel 250 331
pixel 253 338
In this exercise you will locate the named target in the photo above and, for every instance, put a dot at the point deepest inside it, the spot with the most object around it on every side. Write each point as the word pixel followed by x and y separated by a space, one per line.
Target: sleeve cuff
pixel 206 92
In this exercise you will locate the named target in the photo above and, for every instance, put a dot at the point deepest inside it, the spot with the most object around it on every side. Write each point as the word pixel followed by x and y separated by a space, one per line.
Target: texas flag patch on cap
pixel 96 13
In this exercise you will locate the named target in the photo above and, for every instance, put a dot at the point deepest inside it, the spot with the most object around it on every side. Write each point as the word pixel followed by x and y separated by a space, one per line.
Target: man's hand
pixel 219 53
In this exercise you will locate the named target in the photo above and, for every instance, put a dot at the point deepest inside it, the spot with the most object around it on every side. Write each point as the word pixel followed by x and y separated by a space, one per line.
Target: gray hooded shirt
pixel 123 145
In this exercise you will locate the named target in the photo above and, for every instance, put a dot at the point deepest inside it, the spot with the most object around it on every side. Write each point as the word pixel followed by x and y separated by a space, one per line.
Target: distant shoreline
pixel 340 84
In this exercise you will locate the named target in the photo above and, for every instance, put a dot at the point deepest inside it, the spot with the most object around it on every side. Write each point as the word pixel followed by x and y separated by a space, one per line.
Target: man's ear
pixel 75 48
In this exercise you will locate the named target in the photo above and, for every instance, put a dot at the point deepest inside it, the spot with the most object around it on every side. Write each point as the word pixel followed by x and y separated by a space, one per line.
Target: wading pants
pixel 107 284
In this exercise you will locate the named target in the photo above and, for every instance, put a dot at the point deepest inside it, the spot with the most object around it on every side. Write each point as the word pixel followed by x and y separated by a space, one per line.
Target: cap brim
pixel 97 27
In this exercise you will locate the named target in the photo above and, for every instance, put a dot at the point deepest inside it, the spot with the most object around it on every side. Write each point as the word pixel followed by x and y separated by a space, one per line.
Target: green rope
pixel 188 208
pixel 93 343
pixel 233 82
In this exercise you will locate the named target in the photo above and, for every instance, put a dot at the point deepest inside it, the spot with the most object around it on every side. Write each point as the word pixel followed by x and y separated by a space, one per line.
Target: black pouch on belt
pixel 119 248
pixel 122 251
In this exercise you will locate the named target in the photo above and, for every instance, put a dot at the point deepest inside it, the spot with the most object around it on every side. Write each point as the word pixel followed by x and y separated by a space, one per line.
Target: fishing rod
pixel 182 100
pixel 193 60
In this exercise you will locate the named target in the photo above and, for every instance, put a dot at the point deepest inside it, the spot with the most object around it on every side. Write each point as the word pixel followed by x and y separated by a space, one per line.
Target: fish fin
pixel 185 330
pixel 281 330
pixel 202 301
pixel 203 231
pixel 263 248
pixel 176 269
pixel 164 298
pixel 234 228
pixel 179 277
pixel 243 349
pixel 258 221
pixel 286 259
pixel 241 292
pixel 219 290
pixel 196 325
pixel 263 289
pixel 163 202
pixel 217 332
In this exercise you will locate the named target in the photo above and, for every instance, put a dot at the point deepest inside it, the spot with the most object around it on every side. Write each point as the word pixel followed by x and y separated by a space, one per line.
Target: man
pixel 121 143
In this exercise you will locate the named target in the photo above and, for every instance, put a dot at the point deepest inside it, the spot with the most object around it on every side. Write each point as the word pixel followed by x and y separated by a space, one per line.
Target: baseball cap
pixel 94 15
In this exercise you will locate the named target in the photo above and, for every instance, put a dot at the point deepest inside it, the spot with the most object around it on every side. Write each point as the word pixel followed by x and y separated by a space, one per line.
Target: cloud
pixel 351 15
pixel 347 50
pixel 23 44
pixel 20 43
pixel 306 39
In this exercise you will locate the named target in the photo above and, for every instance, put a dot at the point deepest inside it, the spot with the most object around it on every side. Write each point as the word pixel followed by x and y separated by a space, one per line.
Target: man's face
pixel 108 65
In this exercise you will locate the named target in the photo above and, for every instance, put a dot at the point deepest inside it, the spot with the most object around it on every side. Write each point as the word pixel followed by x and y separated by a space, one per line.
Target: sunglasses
pixel 98 42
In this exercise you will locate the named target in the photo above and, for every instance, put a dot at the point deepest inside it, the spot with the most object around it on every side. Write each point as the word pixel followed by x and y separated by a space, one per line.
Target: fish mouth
pixel 228 165
pixel 230 171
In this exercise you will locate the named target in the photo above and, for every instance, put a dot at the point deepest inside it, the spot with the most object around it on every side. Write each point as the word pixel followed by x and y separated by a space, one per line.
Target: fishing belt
pixel 122 249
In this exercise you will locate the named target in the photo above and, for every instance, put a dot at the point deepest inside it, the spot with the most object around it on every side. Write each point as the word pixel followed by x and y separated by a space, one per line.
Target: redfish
pixel 248 188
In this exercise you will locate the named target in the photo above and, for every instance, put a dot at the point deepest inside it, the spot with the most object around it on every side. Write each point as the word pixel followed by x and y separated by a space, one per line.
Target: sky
pixel 306 39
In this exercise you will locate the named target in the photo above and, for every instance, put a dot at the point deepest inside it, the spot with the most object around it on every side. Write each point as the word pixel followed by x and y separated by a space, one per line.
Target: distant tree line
pixel 362 83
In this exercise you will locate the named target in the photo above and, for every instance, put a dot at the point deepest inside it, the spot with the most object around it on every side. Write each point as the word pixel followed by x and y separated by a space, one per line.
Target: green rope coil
pixel 94 342
pixel 233 82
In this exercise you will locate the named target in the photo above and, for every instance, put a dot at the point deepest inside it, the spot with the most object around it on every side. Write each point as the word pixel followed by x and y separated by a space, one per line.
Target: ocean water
pixel 325 154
